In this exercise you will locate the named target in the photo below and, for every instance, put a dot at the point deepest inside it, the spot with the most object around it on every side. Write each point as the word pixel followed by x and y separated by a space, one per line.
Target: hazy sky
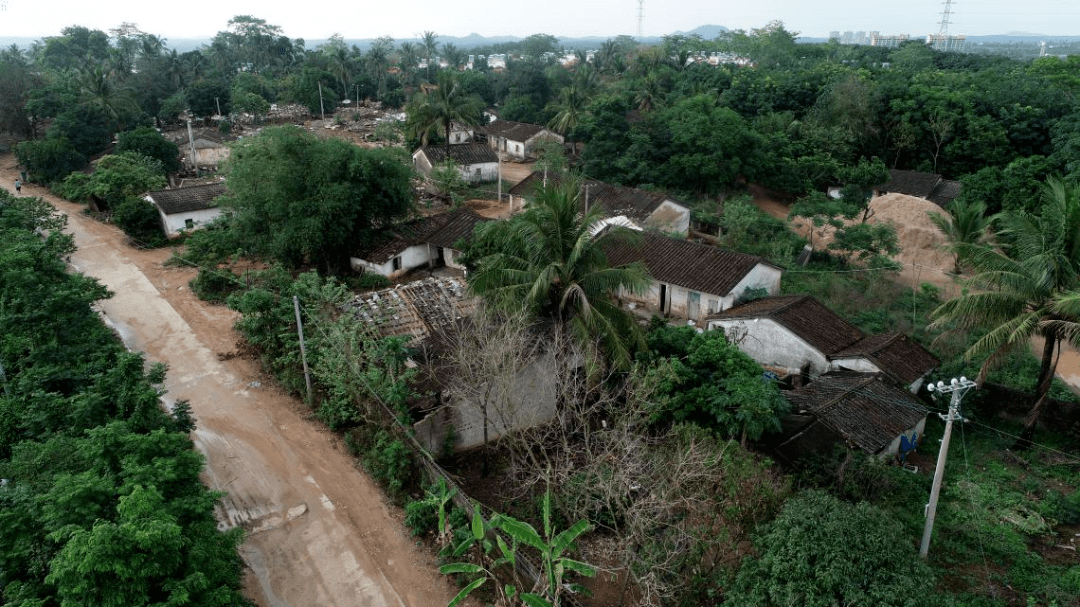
pixel 408 18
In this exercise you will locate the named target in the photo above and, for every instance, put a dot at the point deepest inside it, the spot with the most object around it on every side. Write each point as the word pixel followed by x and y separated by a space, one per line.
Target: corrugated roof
pixel 865 410
pixel 804 316
pixel 415 309
pixel 893 353
pixel 463 154
pixel 186 200
pixel 457 224
pixel 697 267
pixel 508 129
pixel 616 200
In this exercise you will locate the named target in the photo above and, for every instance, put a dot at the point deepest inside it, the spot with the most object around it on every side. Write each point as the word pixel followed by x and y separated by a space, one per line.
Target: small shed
pixel 185 209
pixel 475 161
pixel 864 411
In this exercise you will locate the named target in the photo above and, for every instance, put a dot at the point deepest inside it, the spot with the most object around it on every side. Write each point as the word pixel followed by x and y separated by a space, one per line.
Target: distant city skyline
pixel 560 18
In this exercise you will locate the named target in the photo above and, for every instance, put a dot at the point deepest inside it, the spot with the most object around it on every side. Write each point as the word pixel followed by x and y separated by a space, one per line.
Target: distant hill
pixel 707 32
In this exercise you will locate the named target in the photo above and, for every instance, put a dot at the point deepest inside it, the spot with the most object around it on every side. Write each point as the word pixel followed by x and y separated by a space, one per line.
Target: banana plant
pixel 478 540
pixel 439 494
pixel 551 547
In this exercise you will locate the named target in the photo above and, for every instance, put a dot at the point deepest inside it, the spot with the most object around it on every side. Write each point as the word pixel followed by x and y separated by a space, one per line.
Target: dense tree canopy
pixel 300 199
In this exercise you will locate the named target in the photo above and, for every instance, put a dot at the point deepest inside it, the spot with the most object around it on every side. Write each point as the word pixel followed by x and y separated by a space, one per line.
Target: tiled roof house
pixel 654 210
pixel 799 334
pixel 186 208
pixel 426 241
pixel 516 139
pixel 475 161
pixel 929 186
pixel 691 280
pixel 865 411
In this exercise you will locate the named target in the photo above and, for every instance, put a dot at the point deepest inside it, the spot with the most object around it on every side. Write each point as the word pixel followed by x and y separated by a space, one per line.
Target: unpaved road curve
pixel 319 530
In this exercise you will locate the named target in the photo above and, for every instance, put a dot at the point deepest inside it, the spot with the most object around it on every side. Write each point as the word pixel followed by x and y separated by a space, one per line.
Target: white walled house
pixel 648 210
pixel 691 280
pixel 798 334
pixel 475 161
pixel 516 139
pixel 186 209
pixel 429 241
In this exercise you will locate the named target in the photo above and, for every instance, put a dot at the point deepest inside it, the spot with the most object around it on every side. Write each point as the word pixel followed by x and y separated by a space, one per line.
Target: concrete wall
pixel 670 217
pixel 451 259
pixel 411 258
pixel 771 344
pixel 177 222
pixel 477 173
pixel 761 277
pixel 535 404
pixel 894 447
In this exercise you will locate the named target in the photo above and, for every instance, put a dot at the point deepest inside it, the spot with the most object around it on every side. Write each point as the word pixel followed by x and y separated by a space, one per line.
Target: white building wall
pixel 411 258
pixel 670 217
pixel 176 223
pixel 476 173
pixel 770 343
pixel 762 276
pixel 452 259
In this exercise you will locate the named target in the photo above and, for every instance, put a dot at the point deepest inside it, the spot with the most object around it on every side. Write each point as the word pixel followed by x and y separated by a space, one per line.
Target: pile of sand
pixel 921 243
pixel 920 240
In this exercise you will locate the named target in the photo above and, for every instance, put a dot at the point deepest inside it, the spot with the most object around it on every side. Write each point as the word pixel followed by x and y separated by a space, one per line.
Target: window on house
pixel 714 306
pixel 396 264
pixel 478 174
pixel 189 223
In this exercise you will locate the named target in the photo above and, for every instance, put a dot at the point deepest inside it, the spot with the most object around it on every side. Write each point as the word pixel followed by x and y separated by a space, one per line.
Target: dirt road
pixel 319 530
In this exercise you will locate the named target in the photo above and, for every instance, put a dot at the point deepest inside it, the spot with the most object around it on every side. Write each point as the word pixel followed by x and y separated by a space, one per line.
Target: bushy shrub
pixel 822 552
pixel 214 285
pixel 49 160
pixel 139 219
pixel 421 517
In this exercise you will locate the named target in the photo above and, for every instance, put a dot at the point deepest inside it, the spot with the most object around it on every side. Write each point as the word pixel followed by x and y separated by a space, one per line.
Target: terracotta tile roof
pixel 416 309
pixel 459 227
pixel 867 411
pixel 895 354
pixel 463 153
pixel 185 200
pixel 458 224
pixel 804 316
pixel 508 129
pixel 616 200
pixel 697 267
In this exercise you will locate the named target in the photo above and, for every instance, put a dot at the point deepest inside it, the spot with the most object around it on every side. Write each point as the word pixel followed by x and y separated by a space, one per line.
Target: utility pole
pixel 191 146
pixel 958 387
pixel 322 109
pixel 218 102
pixel 303 349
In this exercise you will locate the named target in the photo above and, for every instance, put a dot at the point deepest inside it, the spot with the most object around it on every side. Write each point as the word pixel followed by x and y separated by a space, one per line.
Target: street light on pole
pixel 956 387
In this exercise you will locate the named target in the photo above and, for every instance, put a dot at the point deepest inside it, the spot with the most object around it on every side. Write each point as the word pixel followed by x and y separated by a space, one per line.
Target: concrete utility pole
pixel 303 348
pixel 958 387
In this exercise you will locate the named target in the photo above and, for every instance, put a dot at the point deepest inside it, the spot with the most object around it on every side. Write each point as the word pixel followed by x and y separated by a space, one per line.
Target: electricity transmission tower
pixel 640 18
pixel 941 41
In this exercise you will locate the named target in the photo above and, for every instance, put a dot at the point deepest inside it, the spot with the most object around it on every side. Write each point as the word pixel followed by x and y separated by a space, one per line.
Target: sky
pixel 562 18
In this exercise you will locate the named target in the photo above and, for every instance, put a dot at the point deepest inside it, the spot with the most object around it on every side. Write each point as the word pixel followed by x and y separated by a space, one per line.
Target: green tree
pixel 49 160
pixel 965 226
pixel 1016 286
pixel 298 198
pixel 433 111
pixel 548 261
pixel 822 552
pixel 716 385
pixel 149 143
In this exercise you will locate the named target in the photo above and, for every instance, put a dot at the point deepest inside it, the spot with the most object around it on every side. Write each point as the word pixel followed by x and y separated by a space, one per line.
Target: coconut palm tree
pixel 548 260
pixel 430 45
pixel 434 110
pixel 1025 287
pixel 965 225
